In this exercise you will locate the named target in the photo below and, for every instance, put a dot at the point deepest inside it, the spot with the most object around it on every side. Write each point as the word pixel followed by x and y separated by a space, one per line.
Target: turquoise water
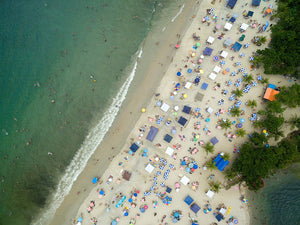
pixel 61 62
pixel 279 202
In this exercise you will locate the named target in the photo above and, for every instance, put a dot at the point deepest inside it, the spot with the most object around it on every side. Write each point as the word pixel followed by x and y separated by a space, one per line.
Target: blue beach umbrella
pixel 190 70
pixel 79 219
pixel 197 80
pixel 188 169
pixel 126 214
pixel 101 192
pixel 114 222
pixel 222 62
pixel 242 120
pixel 238 63
pixel 178 74
pixel 95 179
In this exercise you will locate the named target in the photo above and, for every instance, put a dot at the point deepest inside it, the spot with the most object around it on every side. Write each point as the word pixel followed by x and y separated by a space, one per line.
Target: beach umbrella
pixel 206 18
pixel 143 110
pixel 197 80
pixel 188 169
pixel 227 69
pixel 242 120
pixel 201 71
pixel 200 60
pixel 235 221
pixel 95 179
pixel 191 165
pixel 130 200
pixel 178 73
pixel 242 55
pixel 245 200
pixel 176 214
pixel 101 192
pixel 207 120
pixel 216 58
pixel 198 44
pixel 222 62
pixel 238 63
pixel 247 45
pixel 195 166
pixel 185 95
pixel 269 11
pixel 146 207
pixel 126 214
pixel 235 15
pixel 240 125
pixel 202 56
pixel 233 73
pixel 189 70
pixel 158 103
pixel 79 219
pixel 243 70
pixel 114 222
pixel 218 26
pixel 251 58
pixel 177 46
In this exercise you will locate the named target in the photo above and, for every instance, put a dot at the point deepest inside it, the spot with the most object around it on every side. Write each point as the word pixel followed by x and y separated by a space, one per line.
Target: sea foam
pixel 90 144
pixel 179 12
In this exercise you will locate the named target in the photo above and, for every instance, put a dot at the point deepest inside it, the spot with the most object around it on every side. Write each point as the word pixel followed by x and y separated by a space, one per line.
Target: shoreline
pixel 125 118
pixel 130 116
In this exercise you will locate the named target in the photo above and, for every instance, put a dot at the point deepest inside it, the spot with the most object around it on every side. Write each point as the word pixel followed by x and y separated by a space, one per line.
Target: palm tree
pixel 226 156
pixel 265 81
pixel 235 111
pixel 257 61
pixel 238 92
pixel 248 78
pixel 226 124
pixel 211 165
pixel 209 148
pixel 215 186
pixel 294 122
pixel 252 103
pixel 241 132
pixel 261 40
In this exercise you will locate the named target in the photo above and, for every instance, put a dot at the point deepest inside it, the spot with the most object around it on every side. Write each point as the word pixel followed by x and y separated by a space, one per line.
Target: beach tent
pixel 231 3
pixel 149 168
pixel 228 42
pixel 220 163
pixel 207 51
pixel 126 175
pixel 219 217
pixel 182 121
pixel 270 94
pixel 227 26
pixel 224 54
pixel 212 76
pixel 134 147
pixel 169 151
pixel 244 26
pixel 256 2
pixel 250 13
pixel 204 86
pixel 232 19
pixel 210 193
pixel 210 40
pixel 168 189
pixel 209 109
pixel 152 133
pixel 168 138
pixel 214 140
pixel 195 208
pixel 165 107
pixel 188 200
pixel 186 109
pixel 237 46
pixel 272 86
pixel 223 211
pixel 199 97
pixel 188 85
pixel 217 69
pixel 185 180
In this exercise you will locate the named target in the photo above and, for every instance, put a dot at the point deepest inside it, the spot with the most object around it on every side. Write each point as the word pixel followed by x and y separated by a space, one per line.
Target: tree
pixel 208 147
pixel 272 124
pixel 294 122
pixel 225 156
pixel 241 132
pixel 211 165
pixel 235 111
pixel 265 81
pixel 215 186
pixel 258 139
pixel 290 96
pixel 238 92
pixel 275 107
pixel 261 40
pixel 252 103
pixel 226 124
pixel 248 78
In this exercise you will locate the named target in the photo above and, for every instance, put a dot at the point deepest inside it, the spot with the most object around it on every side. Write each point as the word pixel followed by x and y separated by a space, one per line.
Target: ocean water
pixel 65 68
pixel 278 202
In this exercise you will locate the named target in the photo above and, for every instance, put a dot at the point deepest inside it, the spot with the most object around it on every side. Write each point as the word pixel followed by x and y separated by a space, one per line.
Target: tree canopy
pixel 283 56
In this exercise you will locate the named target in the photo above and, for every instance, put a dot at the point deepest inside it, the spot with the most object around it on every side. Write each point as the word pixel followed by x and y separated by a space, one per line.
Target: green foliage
pixel 252 103
pixel 258 162
pixel 235 111
pixel 265 81
pixel 283 56
pixel 226 124
pixel 275 107
pixel 261 40
pixel 294 122
pixel 215 186
pixel 208 147
pixel 290 96
pixel 272 124
pixel 211 165
pixel 241 132
pixel 248 78
pixel 258 139
pixel 238 92
pixel 226 156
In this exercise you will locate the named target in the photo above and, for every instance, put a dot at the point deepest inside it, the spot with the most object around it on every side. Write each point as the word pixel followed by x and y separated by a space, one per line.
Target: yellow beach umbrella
pixel 264 131
pixel 201 71
pixel 185 95
pixel 143 110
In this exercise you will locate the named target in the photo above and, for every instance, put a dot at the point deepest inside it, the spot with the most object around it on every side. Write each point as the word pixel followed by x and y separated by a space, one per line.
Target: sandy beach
pixel 129 194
